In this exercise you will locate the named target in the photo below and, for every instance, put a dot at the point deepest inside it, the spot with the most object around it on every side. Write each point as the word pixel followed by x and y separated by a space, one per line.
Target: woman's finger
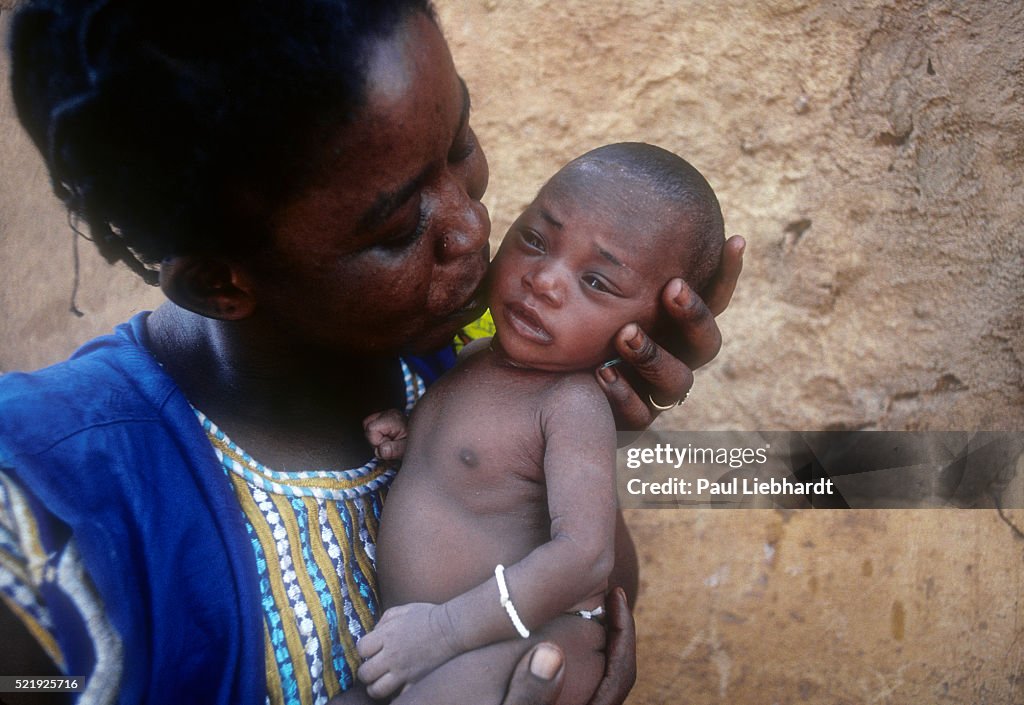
pixel 631 412
pixel 693 329
pixel 719 292
pixel 666 378
pixel 620 653
pixel 538 677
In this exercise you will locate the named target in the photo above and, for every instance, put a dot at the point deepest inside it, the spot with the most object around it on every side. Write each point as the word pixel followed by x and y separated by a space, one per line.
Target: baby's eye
pixel 532 240
pixel 595 283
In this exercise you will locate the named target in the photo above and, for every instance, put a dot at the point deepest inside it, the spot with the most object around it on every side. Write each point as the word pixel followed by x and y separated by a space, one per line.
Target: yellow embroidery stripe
pixel 327 569
pixel 371 519
pixel 277 589
pixel 365 564
pixel 41 634
pixel 17 568
pixel 275 692
pixel 26 530
pixel 6 484
pixel 344 541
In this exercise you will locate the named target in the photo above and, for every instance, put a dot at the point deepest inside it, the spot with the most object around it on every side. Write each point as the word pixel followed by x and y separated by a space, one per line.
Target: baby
pixel 500 524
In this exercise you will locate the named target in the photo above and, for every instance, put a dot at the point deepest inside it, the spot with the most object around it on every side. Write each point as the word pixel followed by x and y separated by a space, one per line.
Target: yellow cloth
pixel 482 327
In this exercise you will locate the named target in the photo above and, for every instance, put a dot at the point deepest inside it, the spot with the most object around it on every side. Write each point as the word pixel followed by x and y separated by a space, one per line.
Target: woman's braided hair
pixel 176 127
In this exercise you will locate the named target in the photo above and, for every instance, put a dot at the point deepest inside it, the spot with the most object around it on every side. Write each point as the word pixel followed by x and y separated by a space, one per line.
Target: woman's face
pixel 387 252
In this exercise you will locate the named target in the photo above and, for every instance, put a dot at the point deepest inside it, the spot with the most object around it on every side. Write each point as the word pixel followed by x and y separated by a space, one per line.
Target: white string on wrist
pixel 506 602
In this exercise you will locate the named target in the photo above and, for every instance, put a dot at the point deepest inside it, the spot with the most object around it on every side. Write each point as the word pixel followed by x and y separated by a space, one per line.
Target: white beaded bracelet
pixel 506 602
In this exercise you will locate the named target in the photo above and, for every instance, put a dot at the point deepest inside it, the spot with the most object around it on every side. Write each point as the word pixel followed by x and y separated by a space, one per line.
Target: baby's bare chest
pixel 481 425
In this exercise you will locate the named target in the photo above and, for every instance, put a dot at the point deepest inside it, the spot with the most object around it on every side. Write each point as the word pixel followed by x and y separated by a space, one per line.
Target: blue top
pixel 109 445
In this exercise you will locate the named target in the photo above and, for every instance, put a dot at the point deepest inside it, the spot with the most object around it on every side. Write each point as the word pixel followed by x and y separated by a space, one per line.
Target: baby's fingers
pixel 376 674
pixel 392 419
pixel 370 419
pixel 369 645
pixel 391 450
pixel 383 686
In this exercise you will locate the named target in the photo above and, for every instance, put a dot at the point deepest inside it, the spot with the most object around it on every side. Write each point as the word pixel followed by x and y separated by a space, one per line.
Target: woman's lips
pixel 476 301
pixel 471 301
pixel 472 309
pixel 527 323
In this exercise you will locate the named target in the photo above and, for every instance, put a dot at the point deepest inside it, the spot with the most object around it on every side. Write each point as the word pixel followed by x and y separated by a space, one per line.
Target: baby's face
pixel 576 266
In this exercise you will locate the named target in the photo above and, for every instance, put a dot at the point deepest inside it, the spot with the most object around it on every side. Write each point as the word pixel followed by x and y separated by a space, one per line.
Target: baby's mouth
pixel 527 323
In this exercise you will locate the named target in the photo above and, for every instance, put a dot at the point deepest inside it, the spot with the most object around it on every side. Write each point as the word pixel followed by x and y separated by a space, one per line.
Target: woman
pixel 302 181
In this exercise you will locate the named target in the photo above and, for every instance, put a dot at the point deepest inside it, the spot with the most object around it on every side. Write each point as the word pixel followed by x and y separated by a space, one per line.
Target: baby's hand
pixel 408 642
pixel 386 431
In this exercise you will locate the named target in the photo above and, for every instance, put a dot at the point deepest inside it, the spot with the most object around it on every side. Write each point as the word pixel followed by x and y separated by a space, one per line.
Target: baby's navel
pixel 468 457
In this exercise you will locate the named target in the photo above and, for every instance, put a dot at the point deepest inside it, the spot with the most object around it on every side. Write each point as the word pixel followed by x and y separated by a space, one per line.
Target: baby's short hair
pixel 677 183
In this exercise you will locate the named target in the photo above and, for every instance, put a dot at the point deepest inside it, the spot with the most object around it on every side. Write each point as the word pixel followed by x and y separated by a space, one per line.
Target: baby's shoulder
pixel 578 391
pixel 578 382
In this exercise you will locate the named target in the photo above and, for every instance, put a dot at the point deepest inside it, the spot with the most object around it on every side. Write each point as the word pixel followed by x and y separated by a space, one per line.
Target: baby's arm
pixel 579 473
pixel 579 470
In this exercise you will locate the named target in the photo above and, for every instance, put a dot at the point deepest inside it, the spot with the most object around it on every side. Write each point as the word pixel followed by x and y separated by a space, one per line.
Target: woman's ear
pixel 210 286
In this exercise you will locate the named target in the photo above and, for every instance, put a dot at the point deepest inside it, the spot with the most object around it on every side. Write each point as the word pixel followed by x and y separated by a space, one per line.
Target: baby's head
pixel 594 251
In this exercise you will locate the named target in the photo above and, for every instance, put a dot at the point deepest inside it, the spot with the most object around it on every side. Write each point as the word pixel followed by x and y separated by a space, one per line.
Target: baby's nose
pixel 548 283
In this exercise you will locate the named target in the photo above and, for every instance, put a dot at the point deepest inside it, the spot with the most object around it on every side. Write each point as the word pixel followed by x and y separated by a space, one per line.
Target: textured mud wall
pixel 870 152
pixel 872 155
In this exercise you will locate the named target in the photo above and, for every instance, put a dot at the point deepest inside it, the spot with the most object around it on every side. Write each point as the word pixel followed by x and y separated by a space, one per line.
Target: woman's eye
pixel 592 282
pixel 463 149
pixel 408 237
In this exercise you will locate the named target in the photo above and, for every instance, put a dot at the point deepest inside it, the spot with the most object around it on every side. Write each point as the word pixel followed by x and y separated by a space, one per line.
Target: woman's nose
pixel 465 231
pixel 546 282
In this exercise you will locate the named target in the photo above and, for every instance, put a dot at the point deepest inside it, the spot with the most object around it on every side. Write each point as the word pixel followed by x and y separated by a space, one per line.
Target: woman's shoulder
pixel 110 379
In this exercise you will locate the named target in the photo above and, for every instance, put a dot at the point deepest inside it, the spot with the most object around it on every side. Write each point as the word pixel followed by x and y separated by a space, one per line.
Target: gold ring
pixel 659 407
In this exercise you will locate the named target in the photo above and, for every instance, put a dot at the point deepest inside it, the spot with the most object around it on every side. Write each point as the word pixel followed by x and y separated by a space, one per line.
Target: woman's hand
pixel 537 680
pixel 620 652
pixel 540 673
pixel 665 378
